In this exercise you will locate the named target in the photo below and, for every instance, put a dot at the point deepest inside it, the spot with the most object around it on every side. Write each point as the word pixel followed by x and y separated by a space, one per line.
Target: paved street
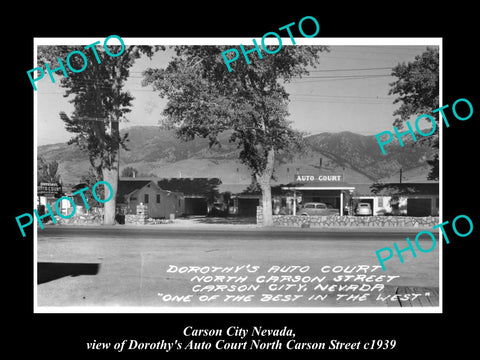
pixel 161 266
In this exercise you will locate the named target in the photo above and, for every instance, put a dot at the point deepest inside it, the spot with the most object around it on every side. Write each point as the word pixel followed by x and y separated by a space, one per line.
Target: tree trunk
pixel 110 176
pixel 264 182
pixel 266 204
pixel 110 173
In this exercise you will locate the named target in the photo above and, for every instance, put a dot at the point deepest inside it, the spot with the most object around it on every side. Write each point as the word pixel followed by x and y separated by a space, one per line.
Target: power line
pixel 320 79
pixel 362 59
pixel 342 76
pixel 342 96
pixel 296 80
pixel 342 101
pixel 104 83
pixel 319 70
pixel 357 69
pixel 402 52
pixel 86 118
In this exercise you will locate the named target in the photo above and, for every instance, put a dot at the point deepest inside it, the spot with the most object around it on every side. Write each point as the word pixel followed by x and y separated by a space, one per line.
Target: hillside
pixel 363 154
pixel 160 153
pixel 414 175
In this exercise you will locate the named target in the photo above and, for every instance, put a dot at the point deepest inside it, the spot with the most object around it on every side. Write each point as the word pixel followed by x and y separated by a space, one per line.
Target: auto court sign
pixel 319 183
pixel 317 178
pixel 49 189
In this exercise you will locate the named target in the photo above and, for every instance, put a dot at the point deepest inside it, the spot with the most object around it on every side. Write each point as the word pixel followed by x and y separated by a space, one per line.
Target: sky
pixel 348 91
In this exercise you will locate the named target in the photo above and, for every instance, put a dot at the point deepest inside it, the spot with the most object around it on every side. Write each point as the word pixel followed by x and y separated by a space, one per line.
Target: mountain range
pixel 157 152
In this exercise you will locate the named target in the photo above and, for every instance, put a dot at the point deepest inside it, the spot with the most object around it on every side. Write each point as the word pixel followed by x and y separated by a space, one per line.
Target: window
pixel 158 198
pixel 321 206
pixel 310 206
pixel 146 199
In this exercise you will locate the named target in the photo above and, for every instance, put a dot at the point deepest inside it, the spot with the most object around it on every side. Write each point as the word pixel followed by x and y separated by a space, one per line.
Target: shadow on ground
pixel 48 271
pixel 232 220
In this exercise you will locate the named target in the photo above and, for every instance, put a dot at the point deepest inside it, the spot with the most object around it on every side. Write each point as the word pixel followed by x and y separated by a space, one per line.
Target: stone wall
pixel 84 219
pixel 350 221
pixel 97 219
pixel 259 215
pixel 142 218
pixel 133 219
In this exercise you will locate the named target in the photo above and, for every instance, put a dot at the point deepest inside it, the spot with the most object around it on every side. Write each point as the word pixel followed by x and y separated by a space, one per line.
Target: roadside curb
pixel 252 227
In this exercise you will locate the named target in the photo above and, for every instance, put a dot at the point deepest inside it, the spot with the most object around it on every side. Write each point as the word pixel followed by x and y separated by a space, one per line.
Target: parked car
pixel 317 208
pixel 218 210
pixel 364 209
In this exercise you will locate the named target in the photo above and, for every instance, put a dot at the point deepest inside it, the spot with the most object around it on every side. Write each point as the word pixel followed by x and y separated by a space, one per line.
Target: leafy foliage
pixel 99 105
pixel 206 100
pixel 47 171
pixel 417 88
pixel 98 98
pixel 435 170
pixel 129 171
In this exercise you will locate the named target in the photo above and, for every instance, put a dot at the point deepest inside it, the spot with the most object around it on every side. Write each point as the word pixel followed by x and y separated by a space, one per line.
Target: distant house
pixel 241 203
pixel 200 194
pixel 160 203
pixel 412 199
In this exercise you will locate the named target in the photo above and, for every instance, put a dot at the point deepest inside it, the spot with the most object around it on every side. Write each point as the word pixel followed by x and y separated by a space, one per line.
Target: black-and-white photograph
pixel 226 175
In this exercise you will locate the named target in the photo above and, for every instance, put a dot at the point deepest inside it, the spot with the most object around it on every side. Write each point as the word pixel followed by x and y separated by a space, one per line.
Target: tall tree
pixel 205 99
pixel 100 103
pixel 47 171
pixel 417 88
pixel 130 171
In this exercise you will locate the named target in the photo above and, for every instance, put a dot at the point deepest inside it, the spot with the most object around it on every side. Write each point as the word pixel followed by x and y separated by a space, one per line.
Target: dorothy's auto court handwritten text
pixel 283 285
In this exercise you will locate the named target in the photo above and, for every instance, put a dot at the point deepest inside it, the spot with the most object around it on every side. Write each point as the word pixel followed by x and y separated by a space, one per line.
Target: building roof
pixel 318 185
pixel 190 186
pixel 153 183
pixel 389 189
pixel 233 188
pixel 363 189
pixel 125 187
